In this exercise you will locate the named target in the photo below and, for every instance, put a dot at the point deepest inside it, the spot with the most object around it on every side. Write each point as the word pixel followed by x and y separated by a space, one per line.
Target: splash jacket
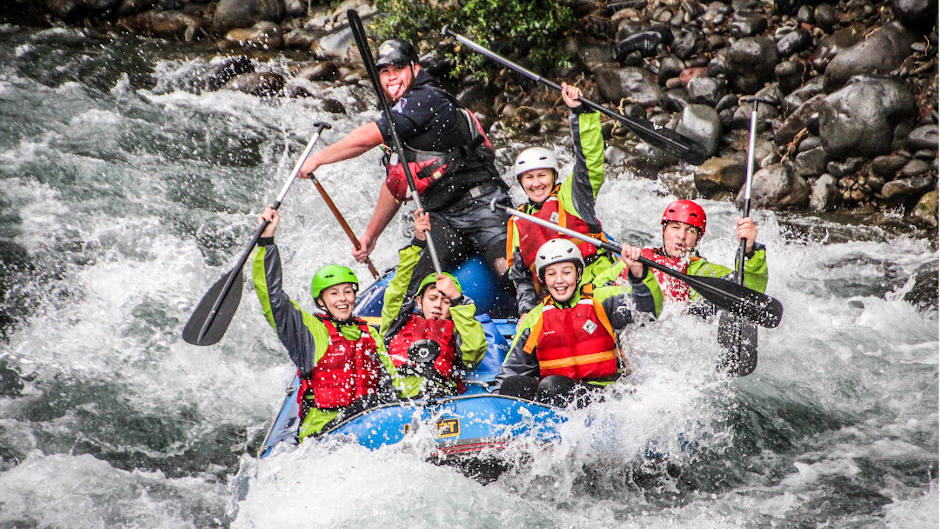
pixel 571 205
pixel 580 338
pixel 755 272
pixel 461 338
pixel 445 146
pixel 341 365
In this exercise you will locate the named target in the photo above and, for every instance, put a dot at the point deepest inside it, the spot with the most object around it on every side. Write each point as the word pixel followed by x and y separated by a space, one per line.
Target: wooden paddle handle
pixel 344 224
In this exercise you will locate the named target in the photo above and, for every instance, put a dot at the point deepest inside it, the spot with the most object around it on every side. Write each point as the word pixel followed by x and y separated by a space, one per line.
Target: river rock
pixel 675 99
pixel 295 8
pixel 225 70
pixel 925 212
pixel 867 117
pixel 798 120
pixel 747 25
pixel 130 7
pixel 687 42
pixel 905 188
pixel 321 71
pixel 339 45
pixel 720 174
pixel 825 16
pixel 266 35
pixel 259 84
pixel 923 137
pixel 705 89
pixel 777 187
pixel 919 14
pixel 914 168
pixel 753 56
pixel 300 38
pixel 630 82
pixel 888 165
pixel 231 14
pixel 793 41
pixel 700 122
pixel 810 162
pixel 799 96
pixel 789 74
pixel 332 106
pixel 834 44
pixel 174 24
pixel 883 51
pixel 670 66
pixel 822 196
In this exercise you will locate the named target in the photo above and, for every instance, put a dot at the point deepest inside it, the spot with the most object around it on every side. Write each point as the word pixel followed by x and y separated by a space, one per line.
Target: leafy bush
pixel 525 31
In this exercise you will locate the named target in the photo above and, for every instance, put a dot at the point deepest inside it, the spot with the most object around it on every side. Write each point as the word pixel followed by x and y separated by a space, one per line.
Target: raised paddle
pixel 737 336
pixel 359 34
pixel 668 140
pixel 214 312
pixel 749 304
pixel 344 225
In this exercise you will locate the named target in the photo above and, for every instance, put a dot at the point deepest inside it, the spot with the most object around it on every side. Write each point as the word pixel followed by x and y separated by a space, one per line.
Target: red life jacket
pixel 420 328
pixel 577 342
pixel 348 370
pixel 444 176
pixel 671 287
pixel 532 235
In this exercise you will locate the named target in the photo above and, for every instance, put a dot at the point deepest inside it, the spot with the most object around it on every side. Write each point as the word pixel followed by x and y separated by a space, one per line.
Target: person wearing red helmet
pixel 683 225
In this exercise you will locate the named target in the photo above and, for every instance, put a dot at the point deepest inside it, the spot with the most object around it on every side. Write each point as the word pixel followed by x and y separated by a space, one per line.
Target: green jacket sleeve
pixel 395 292
pixel 755 269
pixel 579 191
pixel 470 337
pixel 614 276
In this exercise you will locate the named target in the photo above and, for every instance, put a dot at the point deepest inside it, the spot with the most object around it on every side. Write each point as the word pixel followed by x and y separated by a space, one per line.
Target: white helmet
pixel 557 251
pixel 535 158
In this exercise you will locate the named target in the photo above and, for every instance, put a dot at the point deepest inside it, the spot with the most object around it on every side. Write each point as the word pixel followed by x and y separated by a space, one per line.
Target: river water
pixel 126 192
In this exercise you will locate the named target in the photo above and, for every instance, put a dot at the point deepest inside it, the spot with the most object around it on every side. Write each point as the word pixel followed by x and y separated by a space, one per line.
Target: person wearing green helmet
pixel 341 362
pixel 434 336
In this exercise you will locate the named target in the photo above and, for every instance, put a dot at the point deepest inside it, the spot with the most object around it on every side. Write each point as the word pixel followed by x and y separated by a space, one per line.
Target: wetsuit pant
pixel 557 390
pixel 469 227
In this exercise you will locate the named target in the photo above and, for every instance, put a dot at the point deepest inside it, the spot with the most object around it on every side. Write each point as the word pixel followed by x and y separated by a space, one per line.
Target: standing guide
pixel 451 159
pixel 569 204
pixel 568 347
pixel 341 361
pixel 434 336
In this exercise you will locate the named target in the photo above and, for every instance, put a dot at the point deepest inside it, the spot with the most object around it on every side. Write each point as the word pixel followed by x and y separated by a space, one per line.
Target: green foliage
pixel 526 31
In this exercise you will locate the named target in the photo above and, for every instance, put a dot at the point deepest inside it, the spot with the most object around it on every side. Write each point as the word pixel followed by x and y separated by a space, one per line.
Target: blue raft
pixel 469 427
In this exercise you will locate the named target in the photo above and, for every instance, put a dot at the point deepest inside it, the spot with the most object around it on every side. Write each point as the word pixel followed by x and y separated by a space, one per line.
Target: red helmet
pixel 685 211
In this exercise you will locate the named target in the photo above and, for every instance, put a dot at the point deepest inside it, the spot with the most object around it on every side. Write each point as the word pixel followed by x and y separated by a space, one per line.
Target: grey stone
pixel 923 137
pixel 883 51
pixel 747 25
pixel 701 122
pixel 808 143
pixel 264 34
pixel 321 71
pixel 888 165
pixel 687 42
pixel 332 106
pixel 720 174
pixel 794 41
pixel 755 56
pixel 631 82
pixel 914 168
pixel 920 14
pixel 823 194
pixel 925 211
pixel 231 14
pixel 804 14
pixel 675 99
pixel 705 89
pixel 669 67
pixel 832 45
pixel 295 8
pixel 867 117
pixel 799 96
pixel 905 188
pixel 811 162
pixel 789 75
pixel 257 83
pixel 798 119
pixel 225 70
pixel 825 15
pixel 777 187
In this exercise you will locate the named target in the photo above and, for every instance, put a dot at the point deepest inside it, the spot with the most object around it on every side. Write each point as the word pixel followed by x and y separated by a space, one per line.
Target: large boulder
pixel 720 174
pixel 630 82
pixel 799 119
pixel 883 51
pixel 777 187
pixel 231 14
pixel 868 117
pixel 919 14
pixel 755 56
pixel 701 123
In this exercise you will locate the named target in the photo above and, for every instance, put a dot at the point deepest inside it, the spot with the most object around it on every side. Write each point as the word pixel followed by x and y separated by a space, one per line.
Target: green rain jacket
pixel 306 338
pixel 396 311
pixel 577 194
pixel 622 305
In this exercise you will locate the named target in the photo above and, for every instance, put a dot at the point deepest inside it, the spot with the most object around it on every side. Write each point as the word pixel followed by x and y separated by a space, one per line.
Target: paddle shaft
pixel 234 274
pixel 668 140
pixel 359 34
pixel 344 224
pixel 742 248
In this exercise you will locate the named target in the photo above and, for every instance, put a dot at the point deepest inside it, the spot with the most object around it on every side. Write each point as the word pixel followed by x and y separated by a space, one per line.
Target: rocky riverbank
pixel 849 88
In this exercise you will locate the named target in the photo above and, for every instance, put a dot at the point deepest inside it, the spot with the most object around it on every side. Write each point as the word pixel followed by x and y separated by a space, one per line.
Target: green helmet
pixel 431 278
pixel 331 275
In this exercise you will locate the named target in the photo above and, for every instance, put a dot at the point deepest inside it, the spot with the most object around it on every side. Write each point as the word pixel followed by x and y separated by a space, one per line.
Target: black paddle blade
pixel 738 338
pixel 211 317
pixel 739 300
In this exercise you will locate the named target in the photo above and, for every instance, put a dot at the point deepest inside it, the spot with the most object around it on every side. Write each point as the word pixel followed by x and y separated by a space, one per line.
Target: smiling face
pixel 396 80
pixel 679 238
pixel 561 279
pixel 433 305
pixel 339 301
pixel 537 184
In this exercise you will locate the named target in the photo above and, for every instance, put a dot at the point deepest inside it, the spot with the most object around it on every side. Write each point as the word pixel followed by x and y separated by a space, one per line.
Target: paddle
pixel 661 137
pixel 739 337
pixel 344 225
pixel 359 34
pixel 749 304
pixel 214 312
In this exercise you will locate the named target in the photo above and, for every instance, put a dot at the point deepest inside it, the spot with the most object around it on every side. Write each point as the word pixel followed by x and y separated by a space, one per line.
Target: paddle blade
pixel 740 300
pixel 738 338
pixel 212 316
